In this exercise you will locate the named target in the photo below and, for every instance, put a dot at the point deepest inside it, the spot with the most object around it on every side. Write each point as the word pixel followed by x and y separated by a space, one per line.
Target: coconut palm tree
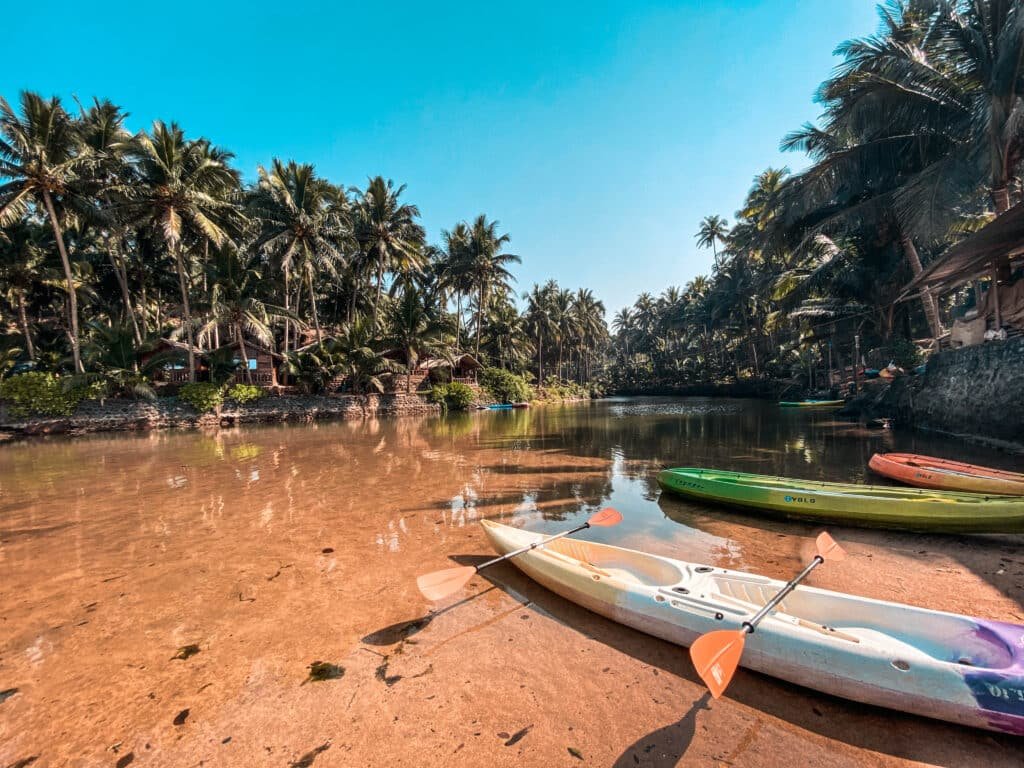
pixel 487 264
pixel 413 332
pixel 185 194
pixel 42 156
pixel 22 269
pixel 235 286
pixel 713 230
pixel 302 221
pixel 456 270
pixel 387 232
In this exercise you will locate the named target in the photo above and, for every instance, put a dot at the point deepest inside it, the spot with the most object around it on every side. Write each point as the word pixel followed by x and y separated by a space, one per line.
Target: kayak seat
pixel 635 567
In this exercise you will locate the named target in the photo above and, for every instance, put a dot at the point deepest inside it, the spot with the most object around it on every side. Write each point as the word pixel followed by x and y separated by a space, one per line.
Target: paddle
pixel 439 584
pixel 717 654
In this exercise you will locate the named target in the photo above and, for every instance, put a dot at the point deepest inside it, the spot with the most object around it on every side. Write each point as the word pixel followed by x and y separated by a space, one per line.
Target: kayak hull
pixel 942 474
pixel 941 665
pixel 871 506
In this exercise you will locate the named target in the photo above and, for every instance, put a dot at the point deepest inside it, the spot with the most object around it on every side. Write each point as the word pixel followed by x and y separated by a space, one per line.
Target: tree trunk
pixel 458 318
pixel 1001 199
pixel 287 307
pixel 72 297
pixel 23 318
pixel 241 348
pixel 186 311
pixel 122 281
pixel 380 285
pixel 931 309
pixel 312 303
pixel 479 319
pixel 540 358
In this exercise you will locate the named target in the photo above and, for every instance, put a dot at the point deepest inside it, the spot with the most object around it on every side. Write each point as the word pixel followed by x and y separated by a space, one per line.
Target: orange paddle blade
pixel 827 547
pixel 439 584
pixel 606 517
pixel 716 656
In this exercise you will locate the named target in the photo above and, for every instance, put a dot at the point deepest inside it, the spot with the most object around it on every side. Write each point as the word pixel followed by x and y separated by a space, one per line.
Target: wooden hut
pixel 255 363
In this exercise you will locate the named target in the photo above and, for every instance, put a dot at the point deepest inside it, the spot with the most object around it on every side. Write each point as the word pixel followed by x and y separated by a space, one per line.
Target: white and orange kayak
pixel 942 665
pixel 946 475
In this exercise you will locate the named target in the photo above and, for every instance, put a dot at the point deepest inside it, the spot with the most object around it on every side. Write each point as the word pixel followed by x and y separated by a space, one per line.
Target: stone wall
pixel 126 415
pixel 976 391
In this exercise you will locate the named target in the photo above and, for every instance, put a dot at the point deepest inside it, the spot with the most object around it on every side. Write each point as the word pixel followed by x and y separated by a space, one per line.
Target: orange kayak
pixel 945 475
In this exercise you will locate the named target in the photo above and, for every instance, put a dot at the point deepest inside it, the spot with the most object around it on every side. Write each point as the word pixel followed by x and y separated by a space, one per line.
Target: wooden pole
pixel 995 295
pixel 856 362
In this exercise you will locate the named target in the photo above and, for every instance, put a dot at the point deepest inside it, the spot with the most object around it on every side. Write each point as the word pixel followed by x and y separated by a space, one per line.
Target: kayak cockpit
pixel 941 636
pixel 621 564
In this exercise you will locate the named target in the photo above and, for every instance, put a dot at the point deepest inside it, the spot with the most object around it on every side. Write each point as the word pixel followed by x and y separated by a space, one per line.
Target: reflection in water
pixel 272 546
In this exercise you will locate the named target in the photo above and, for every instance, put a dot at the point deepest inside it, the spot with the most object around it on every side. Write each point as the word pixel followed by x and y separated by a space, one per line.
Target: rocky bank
pixel 115 415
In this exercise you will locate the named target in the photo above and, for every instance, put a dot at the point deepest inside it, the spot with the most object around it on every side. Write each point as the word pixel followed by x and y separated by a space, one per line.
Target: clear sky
pixel 598 134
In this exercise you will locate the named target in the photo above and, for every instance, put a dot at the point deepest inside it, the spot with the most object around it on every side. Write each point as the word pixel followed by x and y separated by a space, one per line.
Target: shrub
pixel 202 395
pixel 505 386
pixel 245 393
pixel 43 394
pixel 453 396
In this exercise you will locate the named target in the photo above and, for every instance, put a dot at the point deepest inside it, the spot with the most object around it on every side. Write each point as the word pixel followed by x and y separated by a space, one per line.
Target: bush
pixel 505 386
pixel 43 394
pixel 453 396
pixel 245 393
pixel 202 396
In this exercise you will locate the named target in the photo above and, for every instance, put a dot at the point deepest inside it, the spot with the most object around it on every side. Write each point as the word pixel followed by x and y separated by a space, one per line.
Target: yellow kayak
pixel 872 506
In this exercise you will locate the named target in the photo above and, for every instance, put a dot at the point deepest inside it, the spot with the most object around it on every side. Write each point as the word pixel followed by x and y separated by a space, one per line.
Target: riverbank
pixel 114 415
pixel 973 393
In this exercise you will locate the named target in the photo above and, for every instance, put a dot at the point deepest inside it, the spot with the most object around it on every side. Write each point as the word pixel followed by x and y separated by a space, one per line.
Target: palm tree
pixel 413 332
pixel 538 322
pixel 487 265
pixel 455 270
pixel 387 232
pixel 360 362
pixel 713 230
pixel 184 193
pixel 22 268
pixel 235 303
pixel 302 220
pixel 41 153
pixel 102 131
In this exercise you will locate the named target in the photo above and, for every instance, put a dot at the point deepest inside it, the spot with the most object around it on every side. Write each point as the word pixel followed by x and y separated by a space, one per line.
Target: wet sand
pixel 269 549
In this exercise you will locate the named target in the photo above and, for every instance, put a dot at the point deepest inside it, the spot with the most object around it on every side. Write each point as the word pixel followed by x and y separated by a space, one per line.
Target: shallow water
pixel 265 550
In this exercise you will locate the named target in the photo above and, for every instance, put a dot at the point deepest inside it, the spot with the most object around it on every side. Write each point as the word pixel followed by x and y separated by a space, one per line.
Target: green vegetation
pixel 918 145
pixel 244 393
pixel 155 235
pixel 36 393
pixel 453 396
pixel 202 396
pixel 504 386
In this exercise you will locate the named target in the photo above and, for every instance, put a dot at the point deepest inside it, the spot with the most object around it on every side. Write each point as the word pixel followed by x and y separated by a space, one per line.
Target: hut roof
pixel 972 256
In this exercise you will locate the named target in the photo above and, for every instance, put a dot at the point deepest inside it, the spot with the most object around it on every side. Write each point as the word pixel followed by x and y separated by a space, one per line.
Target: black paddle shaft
pixel 751 624
pixel 527 548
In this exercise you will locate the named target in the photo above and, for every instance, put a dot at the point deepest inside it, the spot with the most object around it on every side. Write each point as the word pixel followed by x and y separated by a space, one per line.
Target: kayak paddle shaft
pixel 751 624
pixel 528 547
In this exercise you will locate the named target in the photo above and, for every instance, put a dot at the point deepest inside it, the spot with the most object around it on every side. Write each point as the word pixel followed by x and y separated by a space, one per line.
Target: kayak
pixel 500 406
pixel 942 474
pixel 873 506
pixel 941 665
pixel 811 403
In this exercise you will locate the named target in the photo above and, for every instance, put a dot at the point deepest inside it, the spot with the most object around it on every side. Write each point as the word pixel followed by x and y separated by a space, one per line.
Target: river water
pixel 163 597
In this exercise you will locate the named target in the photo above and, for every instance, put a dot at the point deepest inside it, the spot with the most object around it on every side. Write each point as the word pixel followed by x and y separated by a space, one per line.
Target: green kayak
pixel 873 506
pixel 811 403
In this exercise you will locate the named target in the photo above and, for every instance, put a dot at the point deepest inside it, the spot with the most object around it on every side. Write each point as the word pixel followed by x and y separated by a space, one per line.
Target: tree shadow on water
pixel 665 747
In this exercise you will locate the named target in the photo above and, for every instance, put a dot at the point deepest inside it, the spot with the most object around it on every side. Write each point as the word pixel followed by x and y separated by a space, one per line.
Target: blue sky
pixel 599 134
